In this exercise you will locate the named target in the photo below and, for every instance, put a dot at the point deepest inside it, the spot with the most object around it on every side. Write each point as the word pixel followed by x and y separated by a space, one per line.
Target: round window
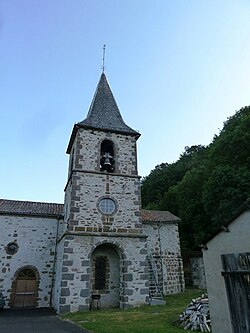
pixel 12 248
pixel 107 206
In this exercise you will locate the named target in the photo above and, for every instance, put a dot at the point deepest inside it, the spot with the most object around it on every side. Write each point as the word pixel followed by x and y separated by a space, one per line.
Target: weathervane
pixel 103 57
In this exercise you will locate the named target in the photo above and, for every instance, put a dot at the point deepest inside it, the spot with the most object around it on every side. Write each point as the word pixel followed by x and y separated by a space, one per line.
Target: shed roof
pixel 16 207
pixel 158 216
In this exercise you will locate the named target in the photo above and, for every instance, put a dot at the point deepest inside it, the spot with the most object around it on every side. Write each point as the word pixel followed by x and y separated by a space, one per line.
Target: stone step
pixel 157 301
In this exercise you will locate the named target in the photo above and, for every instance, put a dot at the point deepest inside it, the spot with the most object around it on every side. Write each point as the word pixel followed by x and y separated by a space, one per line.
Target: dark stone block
pixel 67 276
pixel 65 292
pixel 84 293
pixel 86 263
pixel 128 277
pixel 68 250
pixel 128 292
pixel 143 263
pixel 143 251
pixel 68 263
pixel 144 291
pixel 85 277
pixel 64 308
pixel 124 270
pixel 62 300
pixel 64 283
pixel 143 276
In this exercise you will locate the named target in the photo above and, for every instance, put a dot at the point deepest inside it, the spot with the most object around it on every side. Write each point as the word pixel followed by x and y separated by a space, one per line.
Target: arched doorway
pixel 25 288
pixel 106 275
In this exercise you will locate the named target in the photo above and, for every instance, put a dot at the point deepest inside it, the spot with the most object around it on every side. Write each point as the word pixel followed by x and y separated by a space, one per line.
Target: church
pixel 99 248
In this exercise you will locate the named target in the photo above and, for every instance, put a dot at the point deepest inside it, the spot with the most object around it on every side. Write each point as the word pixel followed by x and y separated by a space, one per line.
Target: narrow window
pixel 100 273
pixel 107 162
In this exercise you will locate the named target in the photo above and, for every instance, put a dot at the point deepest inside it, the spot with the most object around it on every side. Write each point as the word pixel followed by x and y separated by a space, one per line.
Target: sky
pixel 177 68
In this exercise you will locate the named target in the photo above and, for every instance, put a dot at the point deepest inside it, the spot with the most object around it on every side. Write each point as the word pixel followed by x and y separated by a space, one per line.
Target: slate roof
pixel 15 207
pixel 104 113
pixel 158 216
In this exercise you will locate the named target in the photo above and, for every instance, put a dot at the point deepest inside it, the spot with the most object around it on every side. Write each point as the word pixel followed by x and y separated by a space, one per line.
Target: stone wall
pixel 198 272
pixel 89 189
pixel 86 151
pixel 164 246
pixel 36 241
pixel 76 283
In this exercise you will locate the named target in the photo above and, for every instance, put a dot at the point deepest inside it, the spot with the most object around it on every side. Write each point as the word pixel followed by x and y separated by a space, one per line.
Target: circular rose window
pixel 107 206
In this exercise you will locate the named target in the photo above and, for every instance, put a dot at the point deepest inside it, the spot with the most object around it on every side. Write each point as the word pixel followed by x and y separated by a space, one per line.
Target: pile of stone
pixel 196 316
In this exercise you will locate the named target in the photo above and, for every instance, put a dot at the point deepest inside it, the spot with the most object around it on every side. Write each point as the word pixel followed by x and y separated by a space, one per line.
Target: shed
pixel 227 267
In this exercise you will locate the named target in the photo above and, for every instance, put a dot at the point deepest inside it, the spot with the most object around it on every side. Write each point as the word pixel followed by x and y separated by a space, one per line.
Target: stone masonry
pixel 35 238
pixel 98 245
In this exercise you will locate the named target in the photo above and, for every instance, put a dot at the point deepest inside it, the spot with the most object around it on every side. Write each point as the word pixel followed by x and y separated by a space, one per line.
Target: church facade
pixel 99 247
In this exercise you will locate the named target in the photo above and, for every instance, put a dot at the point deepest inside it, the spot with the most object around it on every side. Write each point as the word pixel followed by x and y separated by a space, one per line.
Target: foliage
pixel 207 184
pixel 145 319
pixel 166 175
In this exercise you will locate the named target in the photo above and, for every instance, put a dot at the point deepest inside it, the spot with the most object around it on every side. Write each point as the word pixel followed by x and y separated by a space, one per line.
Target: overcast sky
pixel 177 68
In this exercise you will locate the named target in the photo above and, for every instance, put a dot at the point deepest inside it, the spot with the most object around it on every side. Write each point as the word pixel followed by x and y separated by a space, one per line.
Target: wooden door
pixel 237 280
pixel 26 288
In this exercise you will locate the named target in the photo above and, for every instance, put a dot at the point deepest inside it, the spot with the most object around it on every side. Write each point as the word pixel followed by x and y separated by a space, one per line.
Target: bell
pixel 107 161
pixel 107 158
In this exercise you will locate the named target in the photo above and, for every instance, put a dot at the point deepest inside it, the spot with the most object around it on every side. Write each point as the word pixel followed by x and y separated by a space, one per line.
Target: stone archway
pixel 105 278
pixel 25 288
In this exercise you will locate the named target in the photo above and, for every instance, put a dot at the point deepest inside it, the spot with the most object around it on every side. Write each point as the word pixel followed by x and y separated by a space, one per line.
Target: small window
pixel 100 273
pixel 107 206
pixel 107 162
pixel 12 248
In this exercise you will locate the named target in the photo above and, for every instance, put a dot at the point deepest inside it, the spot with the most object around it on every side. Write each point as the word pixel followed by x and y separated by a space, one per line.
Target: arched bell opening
pixel 25 288
pixel 105 281
pixel 107 159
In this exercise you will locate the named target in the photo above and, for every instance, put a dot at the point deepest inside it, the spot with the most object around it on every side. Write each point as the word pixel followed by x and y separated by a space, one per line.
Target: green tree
pixel 232 146
pixel 226 189
pixel 166 175
pixel 207 184
pixel 185 201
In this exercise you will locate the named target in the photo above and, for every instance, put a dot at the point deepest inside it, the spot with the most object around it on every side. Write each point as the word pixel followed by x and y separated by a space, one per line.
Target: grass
pixel 145 319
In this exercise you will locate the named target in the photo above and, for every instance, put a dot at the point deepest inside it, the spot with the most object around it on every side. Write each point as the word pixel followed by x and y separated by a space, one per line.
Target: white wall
pixel 235 241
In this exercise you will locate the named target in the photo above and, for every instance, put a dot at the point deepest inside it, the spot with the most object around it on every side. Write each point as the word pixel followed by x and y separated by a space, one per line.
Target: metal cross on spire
pixel 103 57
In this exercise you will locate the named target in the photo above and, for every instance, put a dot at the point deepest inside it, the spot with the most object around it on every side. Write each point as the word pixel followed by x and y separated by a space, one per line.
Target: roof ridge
pixel 29 201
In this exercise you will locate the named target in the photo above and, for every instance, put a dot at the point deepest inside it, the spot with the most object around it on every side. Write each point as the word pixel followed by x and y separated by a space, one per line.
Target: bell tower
pixel 102 250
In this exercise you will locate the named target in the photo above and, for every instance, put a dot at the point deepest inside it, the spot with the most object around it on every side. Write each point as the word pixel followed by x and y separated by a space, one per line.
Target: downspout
pixel 54 262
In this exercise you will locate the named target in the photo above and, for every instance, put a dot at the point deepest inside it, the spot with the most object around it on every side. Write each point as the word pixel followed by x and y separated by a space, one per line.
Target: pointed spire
pixel 104 113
